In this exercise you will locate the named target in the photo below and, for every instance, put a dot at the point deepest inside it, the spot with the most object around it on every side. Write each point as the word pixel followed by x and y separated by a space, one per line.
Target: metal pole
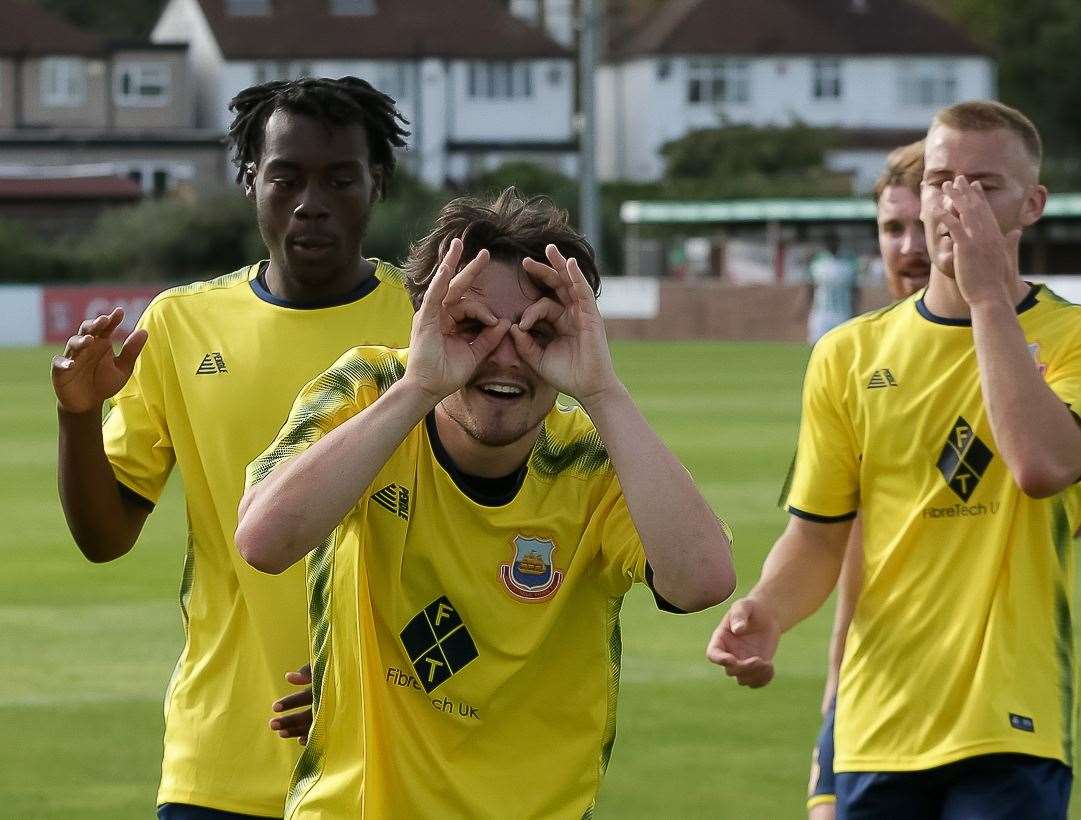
pixel 588 196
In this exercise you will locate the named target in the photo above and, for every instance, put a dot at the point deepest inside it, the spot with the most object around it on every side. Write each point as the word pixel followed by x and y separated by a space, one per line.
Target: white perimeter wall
pixel 22 316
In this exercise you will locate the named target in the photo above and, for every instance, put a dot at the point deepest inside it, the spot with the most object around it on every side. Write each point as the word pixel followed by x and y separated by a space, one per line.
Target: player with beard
pixel 946 420
pixel 469 541
pixel 203 384
pixel 903 247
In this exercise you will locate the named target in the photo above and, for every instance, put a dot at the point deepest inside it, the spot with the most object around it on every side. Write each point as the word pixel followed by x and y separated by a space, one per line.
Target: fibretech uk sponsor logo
pixel 962 510
pixel 406 680
pixel 882 378
pixel 395 499
pixel 964 459
pixel 212 363
pixel 438 644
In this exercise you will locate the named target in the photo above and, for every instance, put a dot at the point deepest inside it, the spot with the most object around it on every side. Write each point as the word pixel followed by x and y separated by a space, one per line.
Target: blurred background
pixel 709 148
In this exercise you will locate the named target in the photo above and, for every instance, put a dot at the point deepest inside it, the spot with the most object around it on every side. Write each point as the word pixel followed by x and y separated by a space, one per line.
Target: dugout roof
pixel 746 211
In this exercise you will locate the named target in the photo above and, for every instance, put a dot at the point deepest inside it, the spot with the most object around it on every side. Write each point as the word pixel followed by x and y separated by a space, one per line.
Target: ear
pixel 250 171
pixel 378 177
pixel 1034 204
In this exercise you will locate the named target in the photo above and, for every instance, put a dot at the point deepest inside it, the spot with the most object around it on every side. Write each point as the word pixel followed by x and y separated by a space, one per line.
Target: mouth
pixel 920 274
pixel 311 243
pixel 501 391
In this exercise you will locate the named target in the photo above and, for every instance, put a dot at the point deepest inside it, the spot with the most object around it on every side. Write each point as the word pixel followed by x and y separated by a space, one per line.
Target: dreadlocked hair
pixel 345 101
pixel 510 227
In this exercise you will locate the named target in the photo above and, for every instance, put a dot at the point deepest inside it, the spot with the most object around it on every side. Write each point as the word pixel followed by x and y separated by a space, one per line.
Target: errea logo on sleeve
pixel 882 378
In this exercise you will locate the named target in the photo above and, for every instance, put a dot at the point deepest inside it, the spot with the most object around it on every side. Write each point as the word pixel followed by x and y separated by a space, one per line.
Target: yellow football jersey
pixel 961 643
pixel 222 365
pixel 465 639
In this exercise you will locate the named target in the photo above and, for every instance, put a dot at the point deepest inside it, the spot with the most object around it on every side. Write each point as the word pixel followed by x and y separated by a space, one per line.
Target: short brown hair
pixel 510 227
pixel 989 115
pixel 904 168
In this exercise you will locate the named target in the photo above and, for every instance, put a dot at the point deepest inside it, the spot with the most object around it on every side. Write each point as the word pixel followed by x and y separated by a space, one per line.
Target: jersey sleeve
pixel 824 483
pixel 135 429
pixel 623 555
pixel 350 385
pixel 1064 376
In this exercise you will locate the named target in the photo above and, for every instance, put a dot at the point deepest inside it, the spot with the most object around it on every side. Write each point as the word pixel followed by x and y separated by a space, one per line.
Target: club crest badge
pixel 1034 349
pixel 531 576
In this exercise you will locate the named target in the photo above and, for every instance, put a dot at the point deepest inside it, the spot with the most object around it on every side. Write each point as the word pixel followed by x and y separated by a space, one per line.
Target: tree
pixel 115 20
pixel 751 161
pixel 1034 44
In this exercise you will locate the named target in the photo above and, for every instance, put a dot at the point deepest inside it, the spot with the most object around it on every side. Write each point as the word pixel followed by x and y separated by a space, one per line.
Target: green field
pixel 87 649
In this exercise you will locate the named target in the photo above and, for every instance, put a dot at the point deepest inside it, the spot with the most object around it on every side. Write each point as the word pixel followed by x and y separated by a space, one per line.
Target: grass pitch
pixel 87 650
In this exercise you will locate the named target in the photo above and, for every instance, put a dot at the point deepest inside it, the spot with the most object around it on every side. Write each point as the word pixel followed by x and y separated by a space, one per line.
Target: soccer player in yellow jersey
pixel 203 383
pixel 947 420
pixel 907 266
pixel 469 541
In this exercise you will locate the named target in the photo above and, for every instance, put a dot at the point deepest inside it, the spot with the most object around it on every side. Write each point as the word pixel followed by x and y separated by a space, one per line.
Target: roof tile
pixel 306 29
pixel 794 27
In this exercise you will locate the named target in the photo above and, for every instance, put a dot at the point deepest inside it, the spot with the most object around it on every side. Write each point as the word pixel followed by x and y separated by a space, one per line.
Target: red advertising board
pixel 67 307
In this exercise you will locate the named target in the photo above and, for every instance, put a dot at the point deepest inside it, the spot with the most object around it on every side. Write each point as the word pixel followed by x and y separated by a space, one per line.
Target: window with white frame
pixel 928 82
pixel 500 80
pixel 392 79
pixel 349 8
pixel 268 70
pixel 142 84
pixel 247 8
pixel 827 80
pixel 63 82
pixel 718 81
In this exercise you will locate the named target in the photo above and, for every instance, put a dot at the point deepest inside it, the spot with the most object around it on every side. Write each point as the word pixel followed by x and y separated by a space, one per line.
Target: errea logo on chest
pixel 212 363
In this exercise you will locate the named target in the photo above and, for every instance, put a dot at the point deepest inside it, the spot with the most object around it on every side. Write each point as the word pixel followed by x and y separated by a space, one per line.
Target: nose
pixel 311 204
pixel 914 242
pixel 505 353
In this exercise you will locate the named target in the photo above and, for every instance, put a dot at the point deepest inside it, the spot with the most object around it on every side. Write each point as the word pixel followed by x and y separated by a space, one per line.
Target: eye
pixel 282 181
pixel 542 334
pixel 470 328
pixel 343 182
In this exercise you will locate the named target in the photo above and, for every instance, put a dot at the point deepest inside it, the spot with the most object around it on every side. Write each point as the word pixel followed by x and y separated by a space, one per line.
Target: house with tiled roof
pixel 479 85
pixel 875 70
pixel 69 98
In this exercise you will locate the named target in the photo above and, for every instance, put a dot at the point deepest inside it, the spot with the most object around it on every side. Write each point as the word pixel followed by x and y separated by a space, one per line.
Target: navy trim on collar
pixel 259 287
pixel 488 492
pixel 1028 302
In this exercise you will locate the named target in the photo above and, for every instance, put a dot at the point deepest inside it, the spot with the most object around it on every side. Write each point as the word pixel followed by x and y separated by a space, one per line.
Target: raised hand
pixel 573 355
pixel 744 643
pixel 984 260
pixel 87 373
pixel 453 332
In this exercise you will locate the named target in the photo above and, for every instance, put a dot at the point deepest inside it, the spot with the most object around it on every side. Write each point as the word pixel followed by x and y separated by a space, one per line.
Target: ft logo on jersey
pixel 437 643
pixel 964 459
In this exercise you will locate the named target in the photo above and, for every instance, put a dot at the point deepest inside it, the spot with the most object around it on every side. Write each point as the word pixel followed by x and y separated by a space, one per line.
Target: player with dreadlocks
pixel 205 382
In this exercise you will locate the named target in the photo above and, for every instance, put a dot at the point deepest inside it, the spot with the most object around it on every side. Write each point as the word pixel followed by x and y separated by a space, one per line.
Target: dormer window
pixel 247 8
pixel 352 8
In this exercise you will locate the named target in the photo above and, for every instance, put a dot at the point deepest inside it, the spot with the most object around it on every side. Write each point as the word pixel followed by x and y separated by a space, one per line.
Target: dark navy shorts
pixel 990 787
pixel 821 789
pixel 182 811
